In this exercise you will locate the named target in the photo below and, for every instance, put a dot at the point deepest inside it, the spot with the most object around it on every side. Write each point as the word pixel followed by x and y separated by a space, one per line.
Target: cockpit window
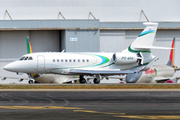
pixel 30 58
pixel 26 58
pixel 21 58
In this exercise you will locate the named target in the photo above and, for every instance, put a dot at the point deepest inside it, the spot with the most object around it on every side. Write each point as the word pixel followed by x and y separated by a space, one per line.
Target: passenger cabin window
pixel 30 58
pixel 78 60
pixel 83 60
pixel 53 60
pixel 87 60
pixel 57 60
pixel 61 60
pixel 69 60
pixel 74 60
pixel 65 60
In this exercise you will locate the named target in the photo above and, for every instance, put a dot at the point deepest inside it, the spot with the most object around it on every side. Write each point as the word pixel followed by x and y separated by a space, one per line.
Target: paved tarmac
pixel 89 105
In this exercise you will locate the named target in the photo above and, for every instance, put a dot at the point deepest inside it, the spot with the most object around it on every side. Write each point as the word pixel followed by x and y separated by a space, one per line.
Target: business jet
pixel 157 73
pixel 137 57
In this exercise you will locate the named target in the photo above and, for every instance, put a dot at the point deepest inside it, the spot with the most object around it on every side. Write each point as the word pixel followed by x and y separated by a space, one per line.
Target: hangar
pixel 84 26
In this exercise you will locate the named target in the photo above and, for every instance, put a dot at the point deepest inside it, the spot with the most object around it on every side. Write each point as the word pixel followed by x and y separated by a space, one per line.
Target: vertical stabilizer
pixel 29 47
pixel 143 43
pixel 172 53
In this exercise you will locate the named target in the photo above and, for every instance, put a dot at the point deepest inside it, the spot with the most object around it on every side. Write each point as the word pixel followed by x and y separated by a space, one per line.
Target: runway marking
pixel 37 107
pixel 154 117
pixel 88 111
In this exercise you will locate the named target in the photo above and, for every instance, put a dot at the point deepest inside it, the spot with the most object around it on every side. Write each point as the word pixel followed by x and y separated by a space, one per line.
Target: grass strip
pixel 126 86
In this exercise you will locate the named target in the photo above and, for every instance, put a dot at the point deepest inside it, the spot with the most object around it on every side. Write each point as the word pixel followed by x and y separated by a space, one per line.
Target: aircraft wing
pixel 177 69
pixel 105 72
pixel 4 78
pixel 111 71
pixel 94 72
pixel 163 79
pixel 148 66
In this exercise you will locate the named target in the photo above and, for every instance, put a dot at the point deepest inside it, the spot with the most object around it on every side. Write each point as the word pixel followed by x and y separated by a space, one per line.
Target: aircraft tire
pixel 30 81
pixel 36 82
pixel 96 81
pixel 82 80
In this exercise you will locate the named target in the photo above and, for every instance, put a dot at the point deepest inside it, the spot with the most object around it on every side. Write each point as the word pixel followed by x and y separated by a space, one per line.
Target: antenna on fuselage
pixel 63 51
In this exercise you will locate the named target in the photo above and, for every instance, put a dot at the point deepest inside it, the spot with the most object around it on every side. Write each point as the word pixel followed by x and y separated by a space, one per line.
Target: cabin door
pixel 40 63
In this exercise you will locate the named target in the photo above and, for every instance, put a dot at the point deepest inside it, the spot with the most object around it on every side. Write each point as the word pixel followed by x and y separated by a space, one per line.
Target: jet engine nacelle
pixel 124 58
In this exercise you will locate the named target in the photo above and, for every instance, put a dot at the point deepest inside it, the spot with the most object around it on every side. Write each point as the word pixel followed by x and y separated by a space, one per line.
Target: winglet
pixel 148 66
pixel 29 47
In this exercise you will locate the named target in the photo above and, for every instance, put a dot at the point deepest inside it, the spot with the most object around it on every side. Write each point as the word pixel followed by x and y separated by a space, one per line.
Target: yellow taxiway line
pixel 121 115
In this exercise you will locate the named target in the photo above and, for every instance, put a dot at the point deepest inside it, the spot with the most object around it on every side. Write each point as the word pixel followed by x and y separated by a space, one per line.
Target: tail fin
pixel 171 57
pixel 144 42
pixel 29 47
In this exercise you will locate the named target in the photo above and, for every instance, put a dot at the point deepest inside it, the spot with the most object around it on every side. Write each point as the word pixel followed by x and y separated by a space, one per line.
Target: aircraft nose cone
pixel 9 67
pixel 133 78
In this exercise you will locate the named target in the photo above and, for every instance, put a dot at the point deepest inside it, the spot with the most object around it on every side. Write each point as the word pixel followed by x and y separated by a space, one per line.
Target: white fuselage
pixel 62 63
pixel 157 73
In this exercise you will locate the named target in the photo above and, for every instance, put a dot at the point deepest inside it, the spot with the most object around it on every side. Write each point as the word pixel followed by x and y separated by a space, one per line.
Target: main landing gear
pixel 82 80
pixel 96 80
pixel 32 82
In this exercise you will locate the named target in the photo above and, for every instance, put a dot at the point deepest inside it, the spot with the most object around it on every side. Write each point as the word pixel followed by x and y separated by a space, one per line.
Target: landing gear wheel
pixel 96 81
pixel 30 81
pixel 36 82
pixel 82 80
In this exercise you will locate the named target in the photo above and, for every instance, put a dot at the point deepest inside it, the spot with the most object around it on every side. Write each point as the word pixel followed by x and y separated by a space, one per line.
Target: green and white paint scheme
pixel 134 59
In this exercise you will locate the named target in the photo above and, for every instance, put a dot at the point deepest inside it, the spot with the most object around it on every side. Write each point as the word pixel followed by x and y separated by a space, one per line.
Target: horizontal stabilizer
pixel 150 47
